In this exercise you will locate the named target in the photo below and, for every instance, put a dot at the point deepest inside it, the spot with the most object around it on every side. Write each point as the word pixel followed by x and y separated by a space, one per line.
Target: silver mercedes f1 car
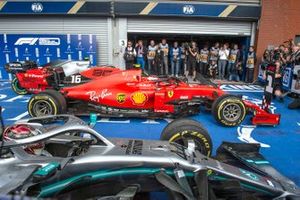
pixel 62 157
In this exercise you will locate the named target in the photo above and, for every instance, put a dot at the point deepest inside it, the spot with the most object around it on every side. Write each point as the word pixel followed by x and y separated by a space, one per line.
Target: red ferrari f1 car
pixel 128 93
pixel 31 78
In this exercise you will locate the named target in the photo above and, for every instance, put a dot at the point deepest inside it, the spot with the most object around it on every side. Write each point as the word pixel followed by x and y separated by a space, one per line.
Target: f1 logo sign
pixel 188 9
pixel 29 41
pixel 41 41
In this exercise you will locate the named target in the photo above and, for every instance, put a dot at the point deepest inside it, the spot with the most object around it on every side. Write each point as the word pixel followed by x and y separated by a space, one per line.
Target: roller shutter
pixel 61 25
pixel 189 26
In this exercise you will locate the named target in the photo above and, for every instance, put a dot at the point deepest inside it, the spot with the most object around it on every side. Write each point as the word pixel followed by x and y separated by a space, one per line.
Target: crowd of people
pixel 282 56
pixel 221 61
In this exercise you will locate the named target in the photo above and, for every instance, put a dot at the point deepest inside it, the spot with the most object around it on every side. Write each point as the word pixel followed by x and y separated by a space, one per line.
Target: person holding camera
pixel 175 53
pixel 223 59
pixel 129 55
pixel 151 55
pixel 165 48
pixel 192 59
pixel 183 58
pixel 295 60
pixel 251 57
pixel 278 81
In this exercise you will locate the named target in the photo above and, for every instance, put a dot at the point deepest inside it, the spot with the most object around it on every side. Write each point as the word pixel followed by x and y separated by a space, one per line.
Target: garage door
pixel 189 26
pixel 61 25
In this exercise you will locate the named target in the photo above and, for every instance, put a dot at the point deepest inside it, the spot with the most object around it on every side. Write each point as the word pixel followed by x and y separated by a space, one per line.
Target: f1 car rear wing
pixel 15 67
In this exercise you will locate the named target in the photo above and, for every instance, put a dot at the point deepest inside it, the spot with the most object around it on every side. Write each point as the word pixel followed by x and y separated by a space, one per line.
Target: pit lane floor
pixel 280 144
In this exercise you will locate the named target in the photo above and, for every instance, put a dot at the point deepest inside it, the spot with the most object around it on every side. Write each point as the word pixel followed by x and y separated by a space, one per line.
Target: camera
pixel 276 54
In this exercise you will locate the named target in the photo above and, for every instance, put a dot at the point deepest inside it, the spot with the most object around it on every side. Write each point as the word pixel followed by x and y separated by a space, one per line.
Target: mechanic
pixel 213 69
pixel 192 60
pixel 175 55
pixel 251 57
pixel 159 61
pixel 223 59
pixel 234 58
pixel 150 56
pixel 213 53
pixel 204 60
pixel 141 52
pixel 129 55
pixel 165 48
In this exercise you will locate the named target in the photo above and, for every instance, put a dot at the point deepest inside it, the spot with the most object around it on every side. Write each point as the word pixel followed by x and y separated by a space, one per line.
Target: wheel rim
pixel 18 88
pixel 232 112
pixel 42 108
pixel 183 140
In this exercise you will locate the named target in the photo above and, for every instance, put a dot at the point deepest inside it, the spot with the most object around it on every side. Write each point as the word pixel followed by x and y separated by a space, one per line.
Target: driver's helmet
pixel 21 131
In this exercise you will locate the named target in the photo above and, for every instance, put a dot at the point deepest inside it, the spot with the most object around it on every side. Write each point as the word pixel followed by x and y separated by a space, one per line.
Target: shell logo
pixel 139 98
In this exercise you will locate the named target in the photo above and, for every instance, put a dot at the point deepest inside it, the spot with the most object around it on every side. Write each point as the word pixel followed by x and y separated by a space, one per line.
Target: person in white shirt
pixel 223 59
pixel 151 55
pixel 165 48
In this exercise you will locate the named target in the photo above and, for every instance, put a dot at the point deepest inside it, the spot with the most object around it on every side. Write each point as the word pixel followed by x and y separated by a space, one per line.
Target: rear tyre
pixel 15 85
pixel 182 130
pixel 229 110
pixel 49 102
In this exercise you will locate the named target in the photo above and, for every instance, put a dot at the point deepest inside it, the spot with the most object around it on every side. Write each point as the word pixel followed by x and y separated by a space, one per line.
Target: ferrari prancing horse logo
pixel 170 93
pixel 139 98
pixel 121 97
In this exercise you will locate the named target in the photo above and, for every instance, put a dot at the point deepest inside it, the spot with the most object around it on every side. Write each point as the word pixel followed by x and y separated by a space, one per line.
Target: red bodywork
pixel 129 90
pixel 39 79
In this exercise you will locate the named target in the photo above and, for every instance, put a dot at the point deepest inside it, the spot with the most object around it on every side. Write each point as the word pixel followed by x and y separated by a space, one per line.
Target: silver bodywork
pixel 75 67
pixel 117 154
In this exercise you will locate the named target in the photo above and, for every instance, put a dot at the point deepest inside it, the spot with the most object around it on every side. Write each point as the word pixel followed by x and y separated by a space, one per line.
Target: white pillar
pixel 119 41
pixel 253 33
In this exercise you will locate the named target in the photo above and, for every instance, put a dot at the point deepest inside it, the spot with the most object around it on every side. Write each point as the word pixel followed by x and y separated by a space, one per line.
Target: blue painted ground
pixel 281 144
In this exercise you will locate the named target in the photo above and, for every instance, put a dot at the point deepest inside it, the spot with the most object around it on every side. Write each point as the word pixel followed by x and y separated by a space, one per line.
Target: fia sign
pixel 188 9
pixel 37 7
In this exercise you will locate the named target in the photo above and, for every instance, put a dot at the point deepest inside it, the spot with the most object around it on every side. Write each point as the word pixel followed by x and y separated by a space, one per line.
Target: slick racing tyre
pixel 15 85
pixel 49 102
pixel 229 110
pixel 182 130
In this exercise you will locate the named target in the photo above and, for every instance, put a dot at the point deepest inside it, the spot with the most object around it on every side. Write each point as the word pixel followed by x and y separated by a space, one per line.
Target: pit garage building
pixel 115 21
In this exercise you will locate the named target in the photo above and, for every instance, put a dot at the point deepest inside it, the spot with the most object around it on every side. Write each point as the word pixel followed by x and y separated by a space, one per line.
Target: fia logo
pixel 188 9
pixel 37 7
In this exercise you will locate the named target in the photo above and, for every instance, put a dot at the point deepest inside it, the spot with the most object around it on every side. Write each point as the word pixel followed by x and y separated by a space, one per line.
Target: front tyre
pixel 15 85
pixel 182 130
pixel 45 103
pixel 229 110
